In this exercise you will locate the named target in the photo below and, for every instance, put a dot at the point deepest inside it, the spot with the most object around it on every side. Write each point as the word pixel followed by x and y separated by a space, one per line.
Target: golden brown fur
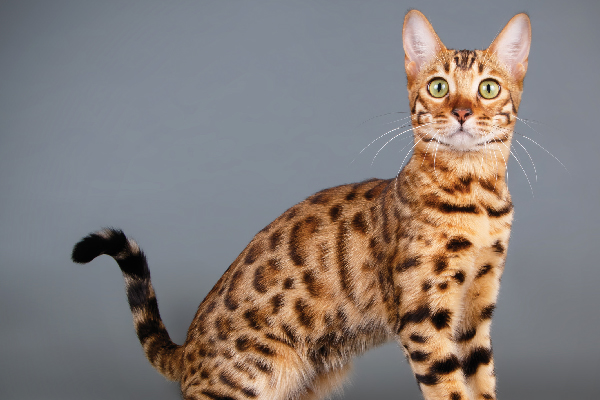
pixel 416 259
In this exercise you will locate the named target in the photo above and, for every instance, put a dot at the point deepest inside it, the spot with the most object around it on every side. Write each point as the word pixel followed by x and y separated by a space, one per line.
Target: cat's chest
pixel 456 225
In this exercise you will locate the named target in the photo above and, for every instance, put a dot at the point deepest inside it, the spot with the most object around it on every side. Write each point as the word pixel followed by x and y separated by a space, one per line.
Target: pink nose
pixel 462 114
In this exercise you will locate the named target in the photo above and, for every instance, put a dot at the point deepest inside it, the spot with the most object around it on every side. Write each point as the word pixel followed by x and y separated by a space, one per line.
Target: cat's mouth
pixel 461 139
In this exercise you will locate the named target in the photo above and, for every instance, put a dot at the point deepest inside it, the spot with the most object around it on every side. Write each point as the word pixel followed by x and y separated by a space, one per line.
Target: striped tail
pixel 163 354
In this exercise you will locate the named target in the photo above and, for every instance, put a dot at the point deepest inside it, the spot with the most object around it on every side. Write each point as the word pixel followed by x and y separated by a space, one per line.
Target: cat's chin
pixel 460 140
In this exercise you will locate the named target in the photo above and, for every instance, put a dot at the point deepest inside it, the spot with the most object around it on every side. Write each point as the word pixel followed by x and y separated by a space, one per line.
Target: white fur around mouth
pixel 460 139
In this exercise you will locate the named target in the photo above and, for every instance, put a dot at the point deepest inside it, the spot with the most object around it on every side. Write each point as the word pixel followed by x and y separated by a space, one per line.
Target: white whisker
pixel 401 133
pixel 520 165
pixel 530 127
pixel 542 147
pixel 531 159
pixel 381 115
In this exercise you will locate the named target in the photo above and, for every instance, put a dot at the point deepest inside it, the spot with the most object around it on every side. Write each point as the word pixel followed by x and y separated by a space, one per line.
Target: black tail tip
pixel 107 241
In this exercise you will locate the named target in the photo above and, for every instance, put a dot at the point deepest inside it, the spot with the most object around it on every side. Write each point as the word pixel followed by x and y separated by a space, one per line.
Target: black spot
pixel 249 392
pixel 440 264
pixel 479 356
pixel 351 196
pixel 320 198
pixel 416 316
pixel 489 186
pixel 304 313
pixel 290 334
pixel 262 365
pixel 359 223
pixel 415 337
pixel 428 379
pixel 275 239
pixel 458 243
pixel 253 253
pixel 447 67
pixel 453 208
pixel 498 248
pixel 295 249
pixel 277 301
pixel 288 283
pixel 455 396
pixel 459 276
pixel 419 356
pixel 230 301
pixel 243 343
pixel 441 319
pixel 264 349
pixel 464 184
pixel 425 286
pixel 207 351
pixel 375 191
pixel 487 396
pixel 215 396
pixel 313 285
pixel 488 311
pixel 335 212
pixel 496 213
pixel 466 335
pixel 408 263
pixel 223 326
pixel 260 281
pixel 481 66
pixel 291 213
pixel 253 318
pixel 443 286
pixel 445 366
pixel 483 270
pixel 343 262
pixel 228 380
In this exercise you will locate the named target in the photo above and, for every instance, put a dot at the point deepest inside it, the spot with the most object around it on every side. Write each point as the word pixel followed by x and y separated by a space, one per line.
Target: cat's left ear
pixel 511 46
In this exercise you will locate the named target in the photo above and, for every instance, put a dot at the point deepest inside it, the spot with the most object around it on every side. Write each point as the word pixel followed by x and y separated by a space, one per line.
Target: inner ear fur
pixel 511 46
pixel 421 43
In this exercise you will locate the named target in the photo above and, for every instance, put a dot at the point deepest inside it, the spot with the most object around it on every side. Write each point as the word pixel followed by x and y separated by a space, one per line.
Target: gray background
pixel 193 124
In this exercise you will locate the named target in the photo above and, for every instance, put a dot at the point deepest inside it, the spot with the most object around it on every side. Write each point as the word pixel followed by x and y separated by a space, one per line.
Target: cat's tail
pixel 163 354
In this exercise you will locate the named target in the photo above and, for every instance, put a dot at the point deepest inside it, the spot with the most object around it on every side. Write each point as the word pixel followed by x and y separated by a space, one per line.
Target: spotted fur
pixel 416 259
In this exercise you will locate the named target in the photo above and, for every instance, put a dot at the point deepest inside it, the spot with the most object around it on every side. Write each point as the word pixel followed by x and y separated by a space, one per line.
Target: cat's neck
pixel 447 174
pixel 488 164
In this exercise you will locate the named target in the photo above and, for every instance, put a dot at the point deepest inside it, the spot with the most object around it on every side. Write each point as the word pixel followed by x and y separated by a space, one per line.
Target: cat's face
pixel 464 101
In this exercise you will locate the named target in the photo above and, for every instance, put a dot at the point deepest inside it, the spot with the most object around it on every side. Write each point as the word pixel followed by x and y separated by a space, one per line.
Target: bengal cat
pixel 416 259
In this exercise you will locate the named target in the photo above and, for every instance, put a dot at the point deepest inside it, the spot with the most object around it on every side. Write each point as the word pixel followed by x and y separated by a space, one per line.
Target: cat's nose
pixel 462 114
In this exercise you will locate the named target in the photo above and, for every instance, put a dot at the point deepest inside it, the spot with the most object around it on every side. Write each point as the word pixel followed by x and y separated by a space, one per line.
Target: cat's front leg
pixel 431 312
pixel 473 335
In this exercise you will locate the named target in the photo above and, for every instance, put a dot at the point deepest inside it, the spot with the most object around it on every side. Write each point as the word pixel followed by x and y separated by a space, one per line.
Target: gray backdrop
pixel 193 124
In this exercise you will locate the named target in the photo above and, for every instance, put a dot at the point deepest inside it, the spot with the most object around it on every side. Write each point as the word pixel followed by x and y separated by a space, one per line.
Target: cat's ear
pixel 421 44
pixel 511 46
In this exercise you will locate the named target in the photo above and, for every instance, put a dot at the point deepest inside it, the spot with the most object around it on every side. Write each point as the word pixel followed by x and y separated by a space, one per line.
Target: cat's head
pixel 464 102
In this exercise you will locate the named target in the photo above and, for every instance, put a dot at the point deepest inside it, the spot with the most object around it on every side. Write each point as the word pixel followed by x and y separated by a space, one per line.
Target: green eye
pixel 438 87
pixel 489 89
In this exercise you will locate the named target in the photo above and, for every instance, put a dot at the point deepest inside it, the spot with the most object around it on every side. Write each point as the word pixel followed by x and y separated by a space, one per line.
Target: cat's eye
pixel 489 89
pixel 438 87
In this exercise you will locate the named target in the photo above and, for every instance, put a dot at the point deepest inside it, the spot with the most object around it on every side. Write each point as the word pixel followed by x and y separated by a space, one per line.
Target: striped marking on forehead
pixel 464 59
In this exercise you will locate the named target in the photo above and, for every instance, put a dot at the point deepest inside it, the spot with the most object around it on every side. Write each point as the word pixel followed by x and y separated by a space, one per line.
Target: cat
pixel 416 259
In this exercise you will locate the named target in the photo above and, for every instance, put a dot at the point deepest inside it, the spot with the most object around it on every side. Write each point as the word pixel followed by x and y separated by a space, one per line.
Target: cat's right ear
pixel 421 43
